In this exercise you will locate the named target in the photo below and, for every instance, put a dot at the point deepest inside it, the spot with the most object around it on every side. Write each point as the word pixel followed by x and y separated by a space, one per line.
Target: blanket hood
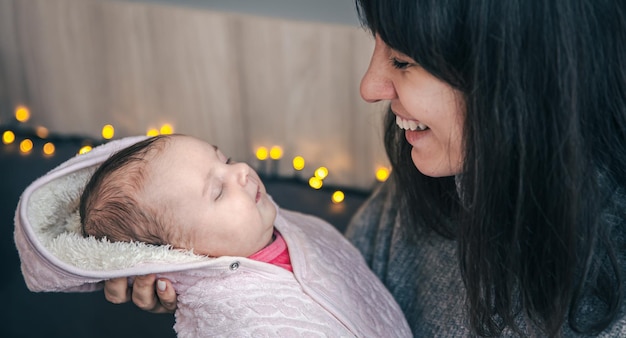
pixel 56 257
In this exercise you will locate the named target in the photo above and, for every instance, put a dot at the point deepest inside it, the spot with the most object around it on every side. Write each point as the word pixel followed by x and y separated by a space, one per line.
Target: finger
pixel 143 293
pixel 116 290
pixel 167 295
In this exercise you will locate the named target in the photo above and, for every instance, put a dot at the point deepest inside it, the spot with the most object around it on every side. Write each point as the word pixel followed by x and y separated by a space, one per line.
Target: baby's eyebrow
pixel 206 185
pixel 207 181
pixel 217 150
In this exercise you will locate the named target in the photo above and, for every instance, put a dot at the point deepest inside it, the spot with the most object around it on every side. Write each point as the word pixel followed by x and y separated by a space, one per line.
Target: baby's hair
pixel 109 205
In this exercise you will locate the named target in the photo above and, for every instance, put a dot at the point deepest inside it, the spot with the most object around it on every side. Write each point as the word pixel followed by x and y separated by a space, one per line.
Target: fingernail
pixel 161 285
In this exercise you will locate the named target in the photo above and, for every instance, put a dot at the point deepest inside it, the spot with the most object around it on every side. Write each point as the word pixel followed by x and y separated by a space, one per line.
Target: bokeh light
pixel 8 137
pixel 298 163
pixel 315 182
pixel 338 197
pixel 321 173
pixel 262 153
pixel 48 148
pixel 42 132
pixel 276 152
pixel 152 132
pixel 382 174
pixel 84 149
pixel 167 129
pixel 22 113
pixel 26 145
pixel 108 132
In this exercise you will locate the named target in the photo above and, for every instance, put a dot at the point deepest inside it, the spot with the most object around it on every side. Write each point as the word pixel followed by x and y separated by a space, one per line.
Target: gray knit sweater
pixel 424 277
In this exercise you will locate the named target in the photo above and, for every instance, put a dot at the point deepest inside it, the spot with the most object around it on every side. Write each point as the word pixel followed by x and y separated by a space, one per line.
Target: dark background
pixel 28 314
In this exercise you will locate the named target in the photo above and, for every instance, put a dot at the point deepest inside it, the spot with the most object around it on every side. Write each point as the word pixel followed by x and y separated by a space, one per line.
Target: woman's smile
pixel 410 124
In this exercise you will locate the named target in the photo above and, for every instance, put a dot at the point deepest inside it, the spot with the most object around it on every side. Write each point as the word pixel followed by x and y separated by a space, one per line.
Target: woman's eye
pixel 399 64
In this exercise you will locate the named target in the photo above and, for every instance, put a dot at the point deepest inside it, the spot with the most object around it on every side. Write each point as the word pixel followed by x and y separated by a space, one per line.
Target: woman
pixel 514 114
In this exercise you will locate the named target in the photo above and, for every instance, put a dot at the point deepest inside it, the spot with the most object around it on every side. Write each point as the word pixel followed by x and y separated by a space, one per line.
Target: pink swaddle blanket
pixel 331 291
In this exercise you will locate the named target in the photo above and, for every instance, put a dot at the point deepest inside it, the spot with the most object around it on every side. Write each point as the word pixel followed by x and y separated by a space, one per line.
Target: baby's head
pixel 181 191
pixel 112 205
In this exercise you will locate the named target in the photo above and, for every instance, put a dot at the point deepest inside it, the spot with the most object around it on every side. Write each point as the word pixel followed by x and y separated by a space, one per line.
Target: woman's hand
pixel 148 293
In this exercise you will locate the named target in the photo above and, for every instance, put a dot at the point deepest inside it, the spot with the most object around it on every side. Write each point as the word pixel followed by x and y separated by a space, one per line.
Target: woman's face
pixel 429 110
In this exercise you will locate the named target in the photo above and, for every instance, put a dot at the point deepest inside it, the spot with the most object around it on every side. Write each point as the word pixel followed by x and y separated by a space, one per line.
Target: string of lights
pixel 21 133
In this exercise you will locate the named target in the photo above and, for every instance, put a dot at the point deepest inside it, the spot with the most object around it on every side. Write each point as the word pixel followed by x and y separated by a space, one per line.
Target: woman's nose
pixel 376 84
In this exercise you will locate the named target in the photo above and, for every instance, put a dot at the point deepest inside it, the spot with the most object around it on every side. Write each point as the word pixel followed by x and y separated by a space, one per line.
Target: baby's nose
pixel 242 171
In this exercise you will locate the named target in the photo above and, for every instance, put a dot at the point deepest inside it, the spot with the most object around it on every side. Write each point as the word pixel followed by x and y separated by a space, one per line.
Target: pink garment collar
pixel 276 253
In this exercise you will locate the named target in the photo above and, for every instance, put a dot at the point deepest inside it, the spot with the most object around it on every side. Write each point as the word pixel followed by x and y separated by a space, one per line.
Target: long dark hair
pixel 545 151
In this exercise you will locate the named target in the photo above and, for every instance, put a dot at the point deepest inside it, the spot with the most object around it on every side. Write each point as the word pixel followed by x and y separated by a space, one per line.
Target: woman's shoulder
pixel 376 214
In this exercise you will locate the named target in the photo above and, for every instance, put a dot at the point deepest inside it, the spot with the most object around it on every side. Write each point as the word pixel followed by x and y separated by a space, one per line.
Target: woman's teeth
pixel 409 125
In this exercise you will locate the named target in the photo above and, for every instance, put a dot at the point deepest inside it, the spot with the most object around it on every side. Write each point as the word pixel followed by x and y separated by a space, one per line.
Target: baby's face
pixel 222 206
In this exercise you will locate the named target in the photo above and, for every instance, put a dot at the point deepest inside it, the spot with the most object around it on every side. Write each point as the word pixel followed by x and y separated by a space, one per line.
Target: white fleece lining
pixel 53 215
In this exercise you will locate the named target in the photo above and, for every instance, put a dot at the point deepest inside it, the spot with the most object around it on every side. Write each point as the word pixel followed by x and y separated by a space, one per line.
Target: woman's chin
pixel 433 168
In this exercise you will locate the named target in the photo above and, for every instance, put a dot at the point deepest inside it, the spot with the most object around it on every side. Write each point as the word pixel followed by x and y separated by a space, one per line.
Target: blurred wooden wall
pixel 238 81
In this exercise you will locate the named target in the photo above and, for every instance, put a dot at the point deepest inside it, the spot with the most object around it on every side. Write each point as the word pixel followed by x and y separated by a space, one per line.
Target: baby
pixel 276 272
pixel 183 192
